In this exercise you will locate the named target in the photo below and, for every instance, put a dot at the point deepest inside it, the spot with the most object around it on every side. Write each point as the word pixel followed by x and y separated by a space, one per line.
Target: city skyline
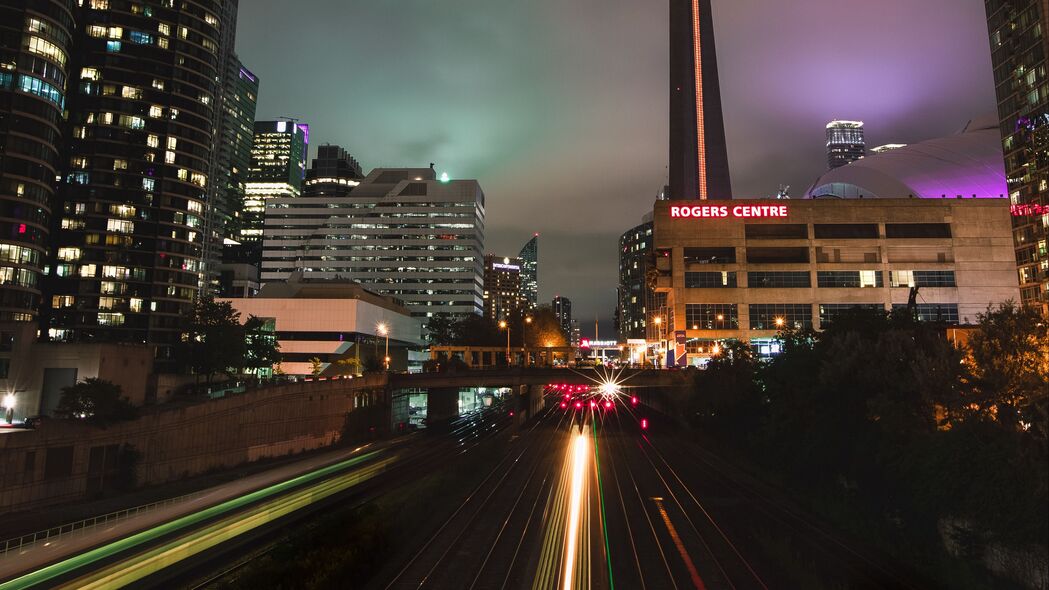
pixel 545 81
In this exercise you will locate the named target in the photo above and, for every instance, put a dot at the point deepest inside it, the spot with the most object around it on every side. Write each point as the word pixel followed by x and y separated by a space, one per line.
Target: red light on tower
pixel 644 424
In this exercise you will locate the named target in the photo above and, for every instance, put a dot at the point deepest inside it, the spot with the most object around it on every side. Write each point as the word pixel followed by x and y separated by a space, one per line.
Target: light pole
pixel 658 321
pixel 504 324
pixel 384 330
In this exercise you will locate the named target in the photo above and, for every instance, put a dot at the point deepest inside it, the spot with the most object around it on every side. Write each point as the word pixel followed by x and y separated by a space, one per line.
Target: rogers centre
pixel 745 270
pixel 724 211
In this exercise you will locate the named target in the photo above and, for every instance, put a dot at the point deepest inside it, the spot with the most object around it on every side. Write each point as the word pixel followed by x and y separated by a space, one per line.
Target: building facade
pixel 237 133
pixel 529 257
pixel 35 43
pixel 635 263
pixel 504 298
pixel 278 167
pixel 332 321
pixel 126 255
pixel 745 272
pixel 1019 33
pixel 845 143
pixel 698 152
pixel 562 307
pixel 401 232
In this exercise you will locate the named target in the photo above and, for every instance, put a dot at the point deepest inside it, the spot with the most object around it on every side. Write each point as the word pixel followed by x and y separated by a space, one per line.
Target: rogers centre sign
pixel 704 211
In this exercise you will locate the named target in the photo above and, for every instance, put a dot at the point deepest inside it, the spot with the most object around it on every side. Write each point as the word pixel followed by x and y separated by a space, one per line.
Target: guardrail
pixel 80 526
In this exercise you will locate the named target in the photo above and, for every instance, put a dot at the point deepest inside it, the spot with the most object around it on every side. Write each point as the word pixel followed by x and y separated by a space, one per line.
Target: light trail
pixel 692 572
pixel 579 469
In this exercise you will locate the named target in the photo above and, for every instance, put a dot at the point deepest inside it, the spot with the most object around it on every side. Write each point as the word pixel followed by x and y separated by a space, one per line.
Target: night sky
pixel 558 107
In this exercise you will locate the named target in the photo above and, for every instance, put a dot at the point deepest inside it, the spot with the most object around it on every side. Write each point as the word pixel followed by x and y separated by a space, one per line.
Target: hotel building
pixel 744 271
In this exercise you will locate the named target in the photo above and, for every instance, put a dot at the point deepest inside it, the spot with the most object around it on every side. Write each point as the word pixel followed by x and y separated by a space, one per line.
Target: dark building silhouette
pixel 636 261
pixel 333 173
pixel 529 256
pixel 698 155
pixel 35 39
pixel 1019 32
pixel 562 307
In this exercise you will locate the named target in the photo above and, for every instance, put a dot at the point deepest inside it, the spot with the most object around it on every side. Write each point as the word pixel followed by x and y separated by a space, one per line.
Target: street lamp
pixel 9 405
pixel 384 330
pixel 779 322
pixel 503 325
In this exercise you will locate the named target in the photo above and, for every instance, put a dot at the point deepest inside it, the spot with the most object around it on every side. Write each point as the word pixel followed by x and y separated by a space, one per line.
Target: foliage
pixel 544 329
pixel 440 329
pixel 95 400
pixel 215 340
pixel 262 350
pixel 315 366
pixel 352 364
pixel 443 364
pixel 882 407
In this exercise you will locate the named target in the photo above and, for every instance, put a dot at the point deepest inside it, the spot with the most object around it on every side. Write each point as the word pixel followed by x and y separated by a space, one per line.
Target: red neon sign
pixel 1026 209
pixel 718 211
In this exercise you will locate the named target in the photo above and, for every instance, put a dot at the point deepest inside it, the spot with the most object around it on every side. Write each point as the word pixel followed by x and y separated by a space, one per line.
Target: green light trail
pixel 601 500
pixel 72 564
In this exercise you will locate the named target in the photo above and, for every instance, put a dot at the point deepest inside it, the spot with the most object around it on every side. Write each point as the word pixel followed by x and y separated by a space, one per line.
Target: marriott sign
pixel 703 211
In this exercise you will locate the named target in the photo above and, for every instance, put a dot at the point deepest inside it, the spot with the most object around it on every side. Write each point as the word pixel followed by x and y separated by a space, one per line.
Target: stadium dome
pixel 965 164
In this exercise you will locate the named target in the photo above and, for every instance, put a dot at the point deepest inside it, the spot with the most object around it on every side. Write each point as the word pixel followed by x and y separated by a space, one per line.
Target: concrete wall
pixel 178 441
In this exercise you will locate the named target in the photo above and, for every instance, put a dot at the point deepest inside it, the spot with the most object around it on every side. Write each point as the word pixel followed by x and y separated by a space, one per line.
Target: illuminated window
pixel 69 254
pixel 135 304
pixel 62 301
pixel 90 74
pixel 47 49
pixel 132 93
pixel 776 316
pixel 88 270
pixel 119 164
pixel 120 225
pixel 152 141
pixel 96 31
pixel 164 28
pixel 111 319
pixel 156 111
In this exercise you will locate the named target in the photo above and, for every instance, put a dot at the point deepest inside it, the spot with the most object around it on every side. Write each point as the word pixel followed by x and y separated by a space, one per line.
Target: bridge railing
pixel 87 524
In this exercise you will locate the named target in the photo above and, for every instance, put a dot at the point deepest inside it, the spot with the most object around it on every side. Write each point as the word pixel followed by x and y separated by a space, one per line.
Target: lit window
pixel 88 270
pixel 69 254
pixel 152 141
pixel 120 225
pixel 111 319
pixel 116 32
pixel 90 74
pixel 47 49
pixel 156 111
pixel 119 164
pixel 132 92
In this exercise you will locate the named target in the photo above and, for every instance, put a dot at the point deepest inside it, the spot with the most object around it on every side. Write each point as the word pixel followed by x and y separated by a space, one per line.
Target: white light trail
pixel 579 469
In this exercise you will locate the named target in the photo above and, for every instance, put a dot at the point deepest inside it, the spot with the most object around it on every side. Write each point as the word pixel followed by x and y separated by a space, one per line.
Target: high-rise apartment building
pixel 562 307
pixel 503 296
pixel 401 232
pixel 277 169
pixel 530 273
pixel 698 153
pixel 125 263
pixel 845 143
pixel 333 173
pixel 1019 32
pixel 35 41
pixel 635 264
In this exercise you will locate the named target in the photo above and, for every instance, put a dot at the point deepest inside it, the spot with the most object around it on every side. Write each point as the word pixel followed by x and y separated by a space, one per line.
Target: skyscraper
pixel 237 135
pixel 636 260
pixel 845 143
pixel 562 307
pixel 698 154
pixel 126 264
pixel 1019 32
pixel 401 232
pixel 277 169
pixel 34 51
pixel 503 298
pixel 530 272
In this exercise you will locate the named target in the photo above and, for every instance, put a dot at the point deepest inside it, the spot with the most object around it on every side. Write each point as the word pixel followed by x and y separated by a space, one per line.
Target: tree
pixel 215 340
pixel 95 400
pixel 544 331
pixel 1009 358
pixel 352 363
pixel 261 347
pixel 440 329
pixel 315 366
pixel 474 330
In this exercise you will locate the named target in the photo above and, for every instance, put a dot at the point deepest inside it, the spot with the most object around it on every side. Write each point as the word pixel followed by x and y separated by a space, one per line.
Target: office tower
pixel 34 50
pixel 562 307
pixel 237 136
pixel 698 154
pixel 635 263
pixel 881 149
pixel 844 143
pixel 126 263
pixel 277 169
pixel 401 232
pixel 530 273
pixel 1019 32
pixel 503 297
pixel 333 173
pixel 575 334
